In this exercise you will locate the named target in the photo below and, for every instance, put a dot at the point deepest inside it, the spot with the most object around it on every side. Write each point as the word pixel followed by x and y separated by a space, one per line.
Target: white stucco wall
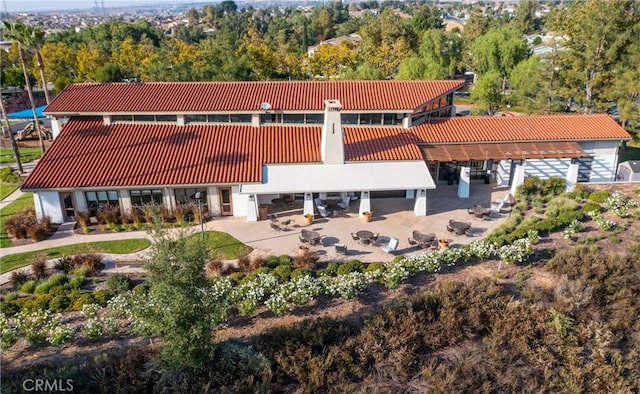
pixel 239 201
pixel 605 159
pixel 545 168
pixel 504 169
pixel 48 203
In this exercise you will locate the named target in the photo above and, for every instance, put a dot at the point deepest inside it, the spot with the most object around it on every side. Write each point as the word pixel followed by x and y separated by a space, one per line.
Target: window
pixel 293 118
pixel 374 119
pixel 314 118
pixel 392 119
pixel 121 118
pixel 188 195
pixel 271 118
pixel 349 118
pixel 166 118
pixel 97 199
pixel 146 196
pixel 144 118
pixel 241 118
pixel 218 118
pixel 196 118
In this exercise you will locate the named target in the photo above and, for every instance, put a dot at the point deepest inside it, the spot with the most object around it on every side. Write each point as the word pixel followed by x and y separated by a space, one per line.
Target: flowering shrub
pixel 517 252
pixel 573 228
pixel 37 327
pixel 620 204
pixel 394 275
pixel 603 223
pixel 8 332
pixel 60 334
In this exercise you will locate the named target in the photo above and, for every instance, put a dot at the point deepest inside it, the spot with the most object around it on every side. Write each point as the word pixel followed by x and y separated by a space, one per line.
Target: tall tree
pixel 20 33
pixel 598 39
pixel 486 92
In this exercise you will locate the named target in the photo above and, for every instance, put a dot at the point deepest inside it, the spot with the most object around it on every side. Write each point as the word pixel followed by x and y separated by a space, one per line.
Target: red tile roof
pixel 380 143
pixel 520 128
pixel 184 97
pixel 89 154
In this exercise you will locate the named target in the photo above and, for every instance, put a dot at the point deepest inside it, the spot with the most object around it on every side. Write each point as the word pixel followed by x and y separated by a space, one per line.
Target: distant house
pixel 352 39
pixel 629 171
pixel 238 145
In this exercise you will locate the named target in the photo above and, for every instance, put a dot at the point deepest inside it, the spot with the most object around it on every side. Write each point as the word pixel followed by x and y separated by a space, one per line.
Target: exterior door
pixel 67 206
pixel 226 207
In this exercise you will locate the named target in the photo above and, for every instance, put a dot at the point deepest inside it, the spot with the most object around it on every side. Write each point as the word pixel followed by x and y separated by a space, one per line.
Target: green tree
pixel 526 20
pixel 178 308
pixel 529 88
pixel 487 92
pixel 22 35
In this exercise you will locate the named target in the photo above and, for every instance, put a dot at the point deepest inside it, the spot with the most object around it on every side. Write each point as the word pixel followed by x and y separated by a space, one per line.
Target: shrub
pixel 59 303
pixel 84 219
pixel 102 296
pixel 244 263
pixel 136 216
pixel 350 266
pixel 141 289
pixel 554 185
pixel 307 260
pixel 9 175
pixel 108 214
pixel 179 212
pixel 591 207
pixel 598 196
pixel 39 266
pixel 213 268
pixel 28 287
pixel 331 270
pixel 118 282
pixel 283 272
pixel 299 272
pixel 19 277
pixel 236 278
pixel 257 263
pixel 64 264
pixel 54 280
pixel 92 262
pixel 272 262
pixel 284 259
pixel 37 232
pixel 372 267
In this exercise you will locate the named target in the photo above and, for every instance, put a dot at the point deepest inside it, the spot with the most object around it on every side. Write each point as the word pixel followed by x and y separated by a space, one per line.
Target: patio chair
pixel 341 248
pixel 284 224
pixel 324 212
pixel 374 239
pixel 303 240
pixel 344 204
pixel 391 246
pixel 319 203
pixel 412 241
pixel 275 226
pixel 355 237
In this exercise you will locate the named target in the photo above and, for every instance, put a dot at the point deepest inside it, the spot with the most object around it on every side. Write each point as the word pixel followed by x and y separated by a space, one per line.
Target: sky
pixel 59 5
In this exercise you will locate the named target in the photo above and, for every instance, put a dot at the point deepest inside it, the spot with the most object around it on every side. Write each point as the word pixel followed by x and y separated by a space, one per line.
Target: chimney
pixel 332 144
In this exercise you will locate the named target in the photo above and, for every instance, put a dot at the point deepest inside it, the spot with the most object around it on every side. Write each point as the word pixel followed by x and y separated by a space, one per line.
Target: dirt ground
pixel 374 297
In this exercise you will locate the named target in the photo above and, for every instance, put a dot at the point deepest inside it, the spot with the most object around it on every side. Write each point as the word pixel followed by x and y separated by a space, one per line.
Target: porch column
pixel 80 201
pixel 464 182
pixel 518 177
pixel 308 204
pixel 572 176
pixel 420 206
pixel 169 199
pixel 252 209
pixel 365 202
pixel 125 201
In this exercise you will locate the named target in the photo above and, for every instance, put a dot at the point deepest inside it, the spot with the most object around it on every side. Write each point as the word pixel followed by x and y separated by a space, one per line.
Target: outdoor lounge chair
pixel 499 203
pixel 275 226
pixel 344 204
pixel 412 241
pixel 341 248
pixel 319 203
pixel 391 246
pixel 324 212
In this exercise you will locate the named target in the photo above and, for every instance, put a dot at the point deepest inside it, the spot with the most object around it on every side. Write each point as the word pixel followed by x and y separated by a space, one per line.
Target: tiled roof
pixel 378 143
pixel 519 128
pixel 89 154
pixel 184 97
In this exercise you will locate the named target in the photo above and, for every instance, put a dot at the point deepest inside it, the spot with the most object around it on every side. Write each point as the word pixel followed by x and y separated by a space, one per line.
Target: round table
pixel 364 235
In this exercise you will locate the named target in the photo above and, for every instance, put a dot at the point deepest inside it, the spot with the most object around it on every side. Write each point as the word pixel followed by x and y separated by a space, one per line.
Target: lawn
pixel 26 155
pixel 26 200
pixel 223 246
pixel 7 188
pixel 124 246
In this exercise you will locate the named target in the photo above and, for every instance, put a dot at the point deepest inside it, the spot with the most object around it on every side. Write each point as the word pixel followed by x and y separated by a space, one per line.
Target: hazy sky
pixel 54 5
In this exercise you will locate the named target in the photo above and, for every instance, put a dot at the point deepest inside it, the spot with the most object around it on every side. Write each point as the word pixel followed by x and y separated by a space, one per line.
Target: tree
pixel 178 307
pixel 526 20
pixel 486 92
pixel 14 146
pixel 21 33
pixel 598 40
pixel 528 86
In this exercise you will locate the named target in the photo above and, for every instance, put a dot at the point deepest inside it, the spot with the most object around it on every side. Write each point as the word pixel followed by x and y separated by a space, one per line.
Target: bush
pixel 591 207
pixel 59 303
pixel 92 262
pixel 331 270
pixel 257 263
pixel 119 283
pixel 37 232
pixel 141 289
pixel 350 266
pixel 283 272
pixel 102 296
pixel 272 262
pixel 28 287
pixel 372 267
pixel 9 175
pixel 213 268
pixel 599 196
pixel 19 277
pixel 39 266
pixel 284 259
pixel 244 263
pixel 108 214
pixel 554 186
pixel 299 272
pixel 236 278
pixel 54 281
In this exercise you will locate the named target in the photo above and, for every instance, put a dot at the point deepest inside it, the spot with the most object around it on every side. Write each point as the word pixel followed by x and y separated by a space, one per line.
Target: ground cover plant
pixel 24 202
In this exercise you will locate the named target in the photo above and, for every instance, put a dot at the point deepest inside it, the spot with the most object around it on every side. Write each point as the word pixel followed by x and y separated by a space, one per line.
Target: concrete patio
pixel 392 218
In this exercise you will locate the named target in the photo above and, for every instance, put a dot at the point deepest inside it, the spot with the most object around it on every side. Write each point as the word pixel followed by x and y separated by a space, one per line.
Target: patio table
pixel 283 202
pixel 365 236
pixel 459 228
pixel 312 236
pixel 479 211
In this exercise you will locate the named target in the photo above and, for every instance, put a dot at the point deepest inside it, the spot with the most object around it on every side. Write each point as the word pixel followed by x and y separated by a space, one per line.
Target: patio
pixel 392 218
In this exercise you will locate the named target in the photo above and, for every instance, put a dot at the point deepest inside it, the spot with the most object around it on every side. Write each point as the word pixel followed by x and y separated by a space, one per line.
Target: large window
pixel 97 199
pixel 188 195
pixel 145 196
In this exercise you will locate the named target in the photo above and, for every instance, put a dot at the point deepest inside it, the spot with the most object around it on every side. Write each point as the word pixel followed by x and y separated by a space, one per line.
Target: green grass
pixel 26 200
pixel 7 188
pixel 26 155
pixel 124 246
pixel 223 246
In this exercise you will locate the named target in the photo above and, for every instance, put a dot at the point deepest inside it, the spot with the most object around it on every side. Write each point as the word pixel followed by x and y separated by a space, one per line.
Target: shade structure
pixel 503 151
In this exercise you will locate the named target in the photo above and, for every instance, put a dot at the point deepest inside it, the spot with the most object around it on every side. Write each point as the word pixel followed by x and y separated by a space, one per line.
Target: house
pixel 238 145
pixel 629 171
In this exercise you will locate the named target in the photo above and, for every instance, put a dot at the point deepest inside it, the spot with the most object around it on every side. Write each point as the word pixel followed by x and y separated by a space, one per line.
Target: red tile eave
pixel 520 128
pixel 193 97
pixel 89 154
